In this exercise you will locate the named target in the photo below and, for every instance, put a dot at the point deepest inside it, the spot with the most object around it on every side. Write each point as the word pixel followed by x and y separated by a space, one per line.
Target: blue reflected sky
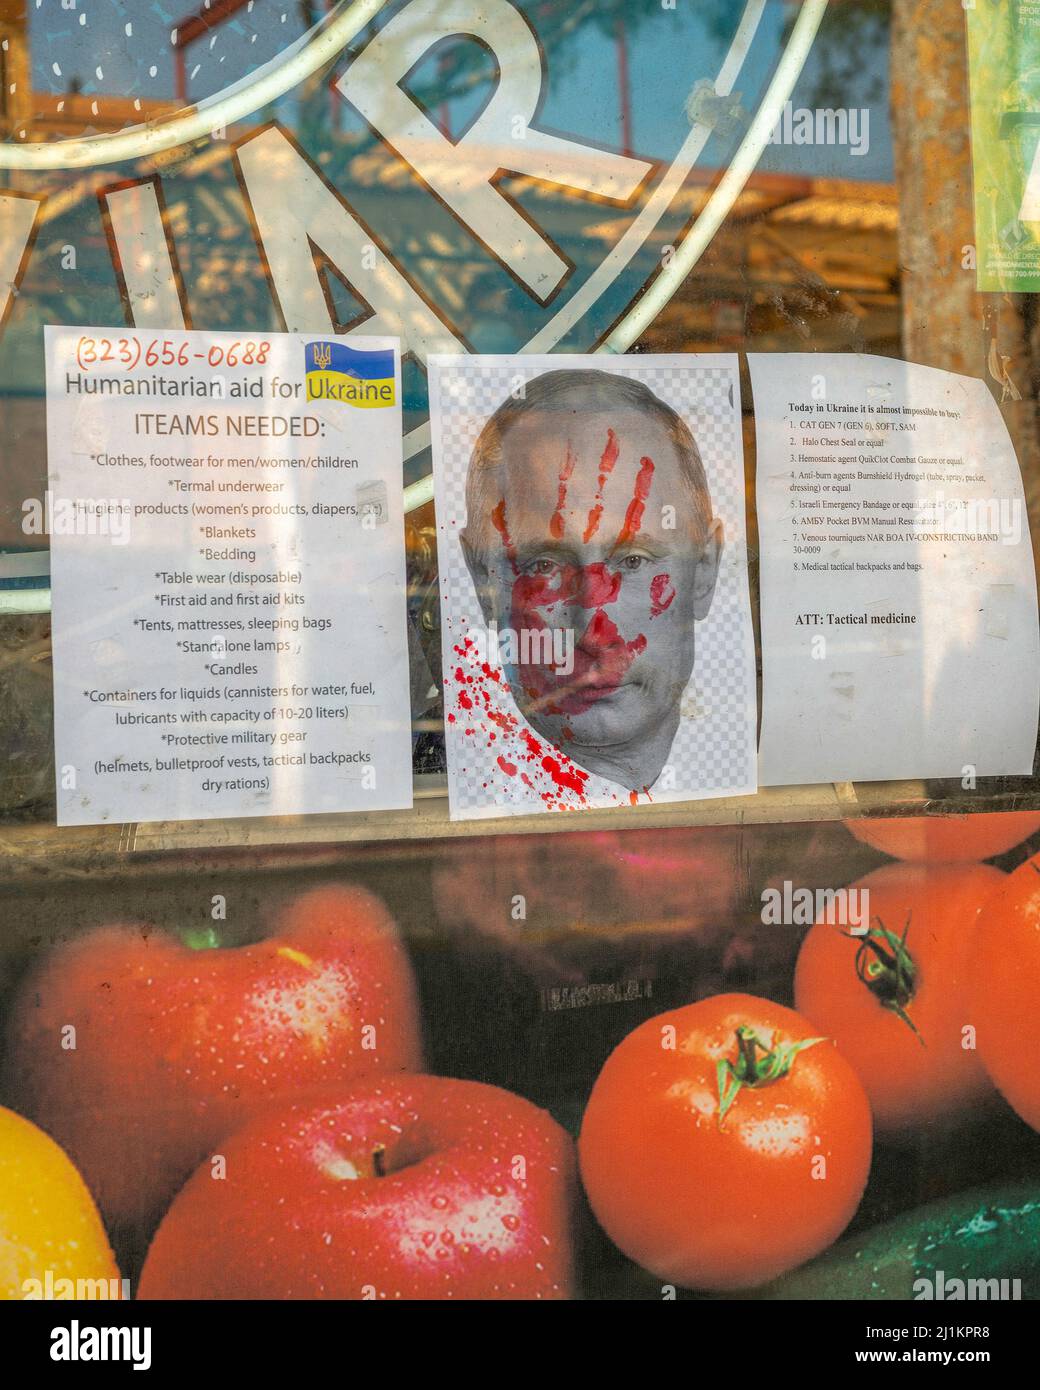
pixel 106 46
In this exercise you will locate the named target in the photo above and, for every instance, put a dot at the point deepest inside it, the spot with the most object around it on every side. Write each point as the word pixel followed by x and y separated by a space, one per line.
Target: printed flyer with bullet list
pixel 228 575
pixel 899 610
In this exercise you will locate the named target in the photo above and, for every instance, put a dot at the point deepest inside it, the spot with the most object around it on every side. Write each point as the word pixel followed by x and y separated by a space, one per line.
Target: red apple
pixel 174 1048
pixel 412 1187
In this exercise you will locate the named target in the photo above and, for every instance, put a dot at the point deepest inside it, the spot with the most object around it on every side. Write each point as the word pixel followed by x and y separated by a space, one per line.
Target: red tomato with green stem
pixel 724 1143
pixel 895 999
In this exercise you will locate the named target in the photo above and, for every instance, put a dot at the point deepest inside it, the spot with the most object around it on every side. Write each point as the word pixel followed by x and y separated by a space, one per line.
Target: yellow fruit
pixel 50 1231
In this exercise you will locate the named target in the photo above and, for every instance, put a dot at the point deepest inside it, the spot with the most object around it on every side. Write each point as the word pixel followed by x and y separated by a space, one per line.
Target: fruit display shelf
pixel 534 957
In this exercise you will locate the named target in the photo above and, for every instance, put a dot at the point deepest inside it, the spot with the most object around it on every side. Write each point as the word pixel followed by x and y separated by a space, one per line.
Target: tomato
pixel 1006 971
pixel 895 999
pixel 725 1143
pixel 947 839
pixel 50 1231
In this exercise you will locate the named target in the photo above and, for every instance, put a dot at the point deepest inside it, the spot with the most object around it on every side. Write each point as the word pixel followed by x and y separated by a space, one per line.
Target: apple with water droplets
pixel 402 1187
pixel 138 1053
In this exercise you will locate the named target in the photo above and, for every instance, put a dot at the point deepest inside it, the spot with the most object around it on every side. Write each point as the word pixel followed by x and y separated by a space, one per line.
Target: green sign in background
pixel 1004 67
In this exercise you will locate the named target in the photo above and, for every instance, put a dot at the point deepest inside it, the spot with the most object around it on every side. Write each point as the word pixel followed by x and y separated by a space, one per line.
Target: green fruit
pixel 988 1234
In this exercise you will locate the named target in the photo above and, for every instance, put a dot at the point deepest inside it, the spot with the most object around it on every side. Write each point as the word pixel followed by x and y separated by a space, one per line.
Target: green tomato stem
pixel 749 1069
pixel 884 964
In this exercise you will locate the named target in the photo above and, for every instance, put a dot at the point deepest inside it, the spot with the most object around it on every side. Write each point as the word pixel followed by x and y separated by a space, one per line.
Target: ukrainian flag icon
pixel 353 376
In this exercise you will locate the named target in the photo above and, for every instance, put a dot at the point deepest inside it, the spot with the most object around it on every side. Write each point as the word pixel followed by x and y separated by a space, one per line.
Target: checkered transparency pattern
pixel 714 751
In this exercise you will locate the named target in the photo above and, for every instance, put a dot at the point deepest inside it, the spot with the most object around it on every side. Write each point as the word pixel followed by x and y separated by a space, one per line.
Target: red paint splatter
pixel 534 748
pixel 545 770
pixel 567 468
pixel 574 779
pixel 634 515
pixel 606 466
pixel 662 592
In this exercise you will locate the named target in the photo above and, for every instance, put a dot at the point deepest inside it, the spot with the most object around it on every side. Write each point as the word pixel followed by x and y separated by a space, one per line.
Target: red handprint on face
pixel 606 467
pixel 602 655
pixel 546 585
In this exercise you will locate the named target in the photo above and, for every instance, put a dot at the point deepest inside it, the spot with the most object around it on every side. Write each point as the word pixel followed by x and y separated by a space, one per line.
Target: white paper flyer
pixel 899 607
pixel 227 561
